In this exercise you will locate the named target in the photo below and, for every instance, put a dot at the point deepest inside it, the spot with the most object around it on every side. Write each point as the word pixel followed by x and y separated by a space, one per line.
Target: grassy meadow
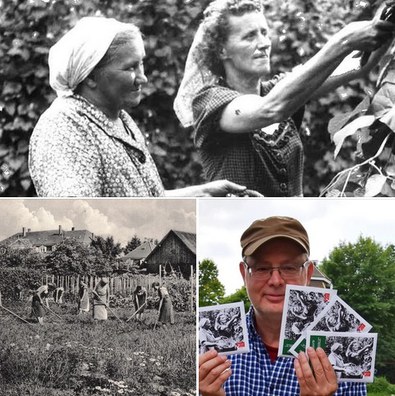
pixel 75 355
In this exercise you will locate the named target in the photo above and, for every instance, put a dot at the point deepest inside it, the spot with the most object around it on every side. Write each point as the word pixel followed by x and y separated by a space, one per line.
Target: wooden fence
pixel 122 284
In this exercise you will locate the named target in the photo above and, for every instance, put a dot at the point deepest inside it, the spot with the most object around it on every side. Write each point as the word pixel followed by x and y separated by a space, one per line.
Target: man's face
pixel 247 50
pixel 267 296
pixel 119 82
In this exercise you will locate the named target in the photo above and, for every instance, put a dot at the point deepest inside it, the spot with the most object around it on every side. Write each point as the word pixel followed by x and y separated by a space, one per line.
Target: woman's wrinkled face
pixel 119 82
pixel 247 50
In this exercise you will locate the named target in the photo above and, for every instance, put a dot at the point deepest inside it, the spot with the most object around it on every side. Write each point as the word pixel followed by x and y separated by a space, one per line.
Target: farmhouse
pixel 45 241
pixel 175 254
pixel 140 253
pixel 318 279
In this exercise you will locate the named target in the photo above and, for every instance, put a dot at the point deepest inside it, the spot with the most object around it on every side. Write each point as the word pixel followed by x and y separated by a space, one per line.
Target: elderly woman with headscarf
pixel 336 359
pixel 245 120
pixel 207 340
pixel 86 144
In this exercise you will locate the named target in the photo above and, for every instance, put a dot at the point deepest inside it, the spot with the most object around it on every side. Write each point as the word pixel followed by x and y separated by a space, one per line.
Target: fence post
pixel 192 289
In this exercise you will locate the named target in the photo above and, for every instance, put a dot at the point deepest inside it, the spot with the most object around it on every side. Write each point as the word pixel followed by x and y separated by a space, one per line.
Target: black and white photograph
pixel 223 328
pixel 352 355
pixel 302 305
pixel 98 297
pixel 338 316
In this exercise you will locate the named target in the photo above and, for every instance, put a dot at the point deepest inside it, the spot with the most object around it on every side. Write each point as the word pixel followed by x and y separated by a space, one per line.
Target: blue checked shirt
pixel 254 374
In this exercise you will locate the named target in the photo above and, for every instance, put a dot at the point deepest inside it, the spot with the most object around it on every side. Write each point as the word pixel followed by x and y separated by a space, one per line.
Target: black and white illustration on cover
pixel 352 355
pixel 223 327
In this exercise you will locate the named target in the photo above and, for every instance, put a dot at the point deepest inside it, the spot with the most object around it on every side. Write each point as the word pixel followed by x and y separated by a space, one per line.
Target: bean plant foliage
pixel 372 124
pixel 28 28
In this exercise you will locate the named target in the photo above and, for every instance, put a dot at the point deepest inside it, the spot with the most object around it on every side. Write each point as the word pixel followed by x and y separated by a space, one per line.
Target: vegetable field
pixel 74 355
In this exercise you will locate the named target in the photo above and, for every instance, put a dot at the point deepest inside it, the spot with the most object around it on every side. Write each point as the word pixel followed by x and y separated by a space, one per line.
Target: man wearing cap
pixel 275 253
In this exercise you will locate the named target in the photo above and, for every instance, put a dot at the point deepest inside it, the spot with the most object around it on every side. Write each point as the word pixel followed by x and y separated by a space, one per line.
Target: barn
pixel 175 254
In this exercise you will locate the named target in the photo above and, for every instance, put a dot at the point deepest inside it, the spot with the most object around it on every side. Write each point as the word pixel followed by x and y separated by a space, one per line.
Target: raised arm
pixel 248 112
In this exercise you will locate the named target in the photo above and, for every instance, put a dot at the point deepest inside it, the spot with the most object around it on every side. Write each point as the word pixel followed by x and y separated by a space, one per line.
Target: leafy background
pixel 28 28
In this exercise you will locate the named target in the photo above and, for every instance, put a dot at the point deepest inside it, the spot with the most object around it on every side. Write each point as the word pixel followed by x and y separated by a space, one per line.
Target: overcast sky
pixel 120 218
pixel 328 222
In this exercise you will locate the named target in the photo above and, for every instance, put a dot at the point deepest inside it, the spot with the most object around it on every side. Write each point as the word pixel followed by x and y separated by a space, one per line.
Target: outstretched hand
pixel 217 188
pixel 366 35
pixel 226 188
pixel 319 379
pixel 214 370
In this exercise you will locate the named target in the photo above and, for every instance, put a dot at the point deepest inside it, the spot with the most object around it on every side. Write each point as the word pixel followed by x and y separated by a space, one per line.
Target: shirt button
pixel 283 171
pixel 283 186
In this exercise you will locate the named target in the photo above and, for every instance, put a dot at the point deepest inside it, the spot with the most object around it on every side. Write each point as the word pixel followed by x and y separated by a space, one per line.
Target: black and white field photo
pixel 223 328
pixel 302 305
pixel 352 355
pixel 97 297
pixel 338 316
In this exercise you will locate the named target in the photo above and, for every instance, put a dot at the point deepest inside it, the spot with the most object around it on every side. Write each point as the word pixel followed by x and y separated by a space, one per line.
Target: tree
pixel 364 275
pixel 107 246
pixel 72 257
pixel 26 258
pixel 132 244
pixel 238 295
pixel 211 290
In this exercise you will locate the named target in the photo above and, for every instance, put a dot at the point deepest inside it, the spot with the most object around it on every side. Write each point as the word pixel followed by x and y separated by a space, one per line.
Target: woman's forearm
pixel 249 112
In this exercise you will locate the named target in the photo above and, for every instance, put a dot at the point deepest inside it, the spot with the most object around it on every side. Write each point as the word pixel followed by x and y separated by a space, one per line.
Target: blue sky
pixel 328 222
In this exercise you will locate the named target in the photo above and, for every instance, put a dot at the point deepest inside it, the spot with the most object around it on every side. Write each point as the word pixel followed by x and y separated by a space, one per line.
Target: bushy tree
pixel 25 258
pixel 238 295
pixel 107 246
pixel 21 278
pixel 134 243
pixel 364 275
pixel 211 290
pixel 72 257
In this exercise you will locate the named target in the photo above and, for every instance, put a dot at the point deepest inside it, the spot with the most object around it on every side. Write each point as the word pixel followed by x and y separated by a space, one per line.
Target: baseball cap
pixel 263 230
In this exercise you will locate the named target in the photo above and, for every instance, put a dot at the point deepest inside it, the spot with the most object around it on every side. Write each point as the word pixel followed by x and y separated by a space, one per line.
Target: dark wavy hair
pixel 216 30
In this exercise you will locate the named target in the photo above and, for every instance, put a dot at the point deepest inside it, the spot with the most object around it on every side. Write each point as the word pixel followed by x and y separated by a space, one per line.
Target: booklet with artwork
pixel 223 327
pixel 338 316
pixel 302 305
pixel 352 355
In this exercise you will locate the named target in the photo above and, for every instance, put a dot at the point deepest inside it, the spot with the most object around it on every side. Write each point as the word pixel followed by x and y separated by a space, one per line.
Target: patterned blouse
pixel 75 150
pixel 269 164
pixel 253 373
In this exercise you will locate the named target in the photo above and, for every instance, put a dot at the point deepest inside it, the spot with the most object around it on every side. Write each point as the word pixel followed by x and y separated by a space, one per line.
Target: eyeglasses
pixel 287 271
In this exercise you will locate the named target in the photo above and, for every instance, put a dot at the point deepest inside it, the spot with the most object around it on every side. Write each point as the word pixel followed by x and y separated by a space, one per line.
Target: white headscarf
pixel 195 78
pixel 77 53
